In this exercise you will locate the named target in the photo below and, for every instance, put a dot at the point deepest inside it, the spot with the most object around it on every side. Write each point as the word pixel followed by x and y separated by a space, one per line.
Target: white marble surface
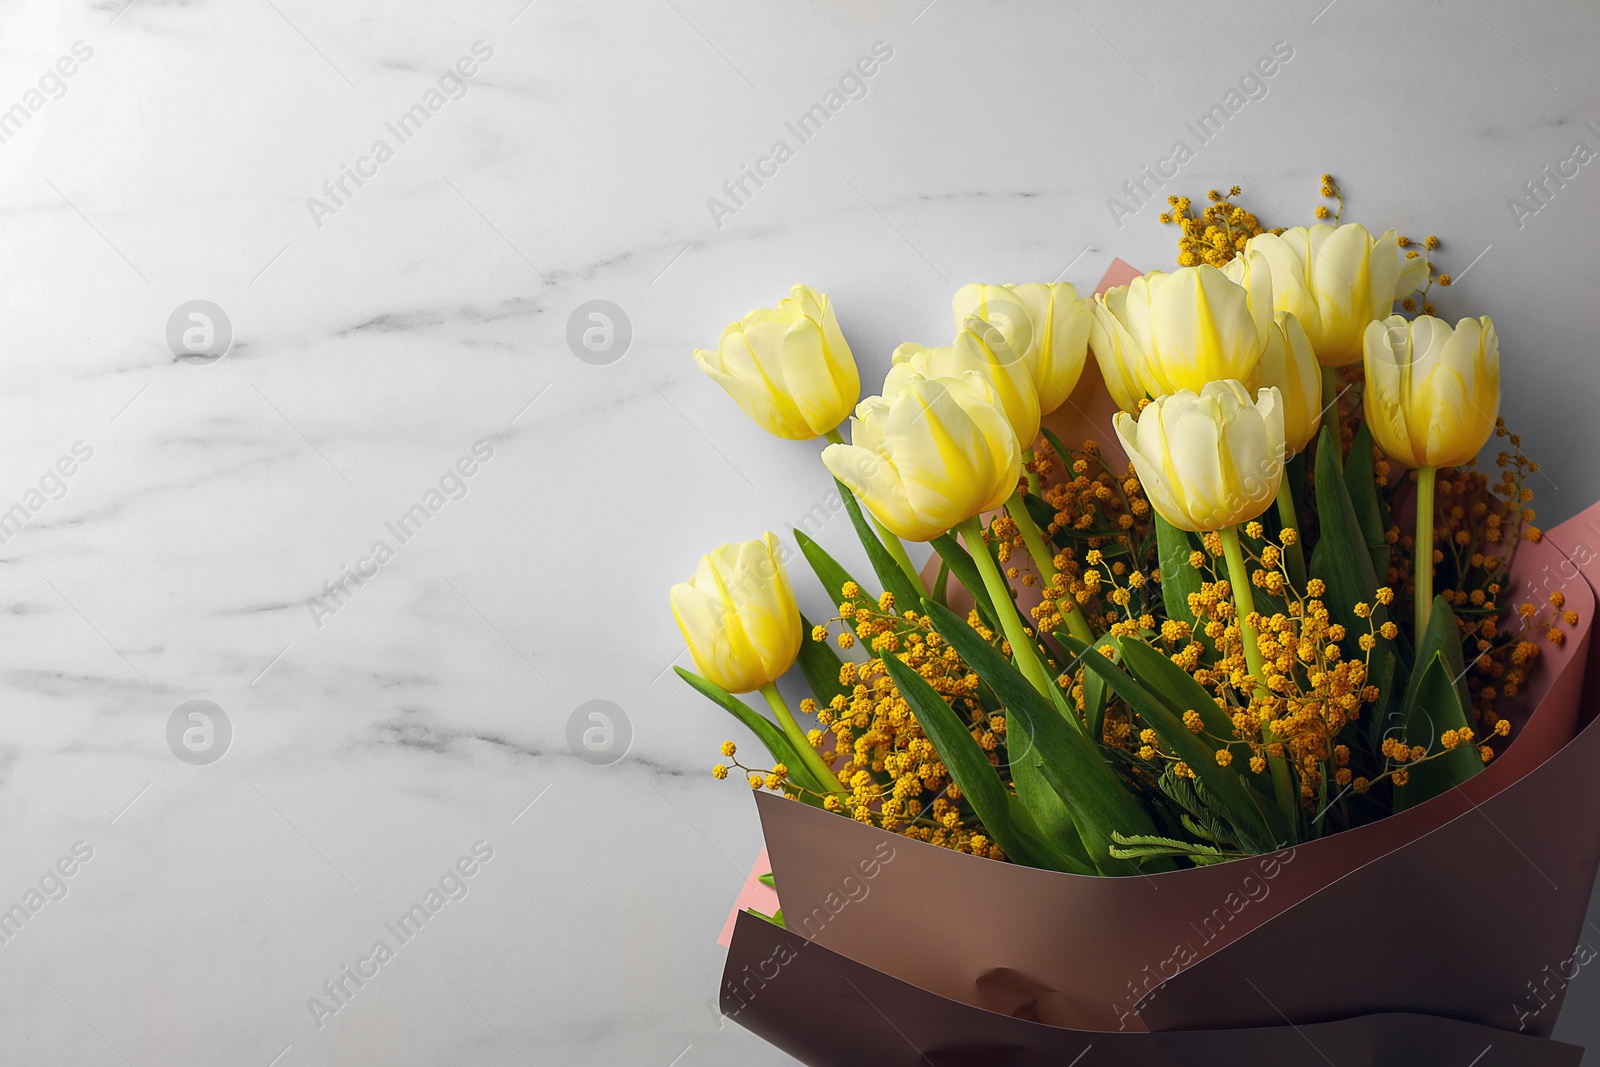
pixel 430 309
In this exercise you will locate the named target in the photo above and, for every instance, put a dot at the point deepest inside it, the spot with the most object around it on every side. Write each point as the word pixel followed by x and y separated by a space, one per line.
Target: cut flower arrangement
pixel 1287 614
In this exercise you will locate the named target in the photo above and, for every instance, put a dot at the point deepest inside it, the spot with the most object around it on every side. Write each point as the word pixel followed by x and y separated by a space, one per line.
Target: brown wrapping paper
pixel 827 1010
pixel 1459 919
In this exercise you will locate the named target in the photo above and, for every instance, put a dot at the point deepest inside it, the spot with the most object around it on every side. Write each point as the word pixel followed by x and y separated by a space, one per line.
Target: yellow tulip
pixel 1192 326
pixel 1118 358
pixel 1336 280
pixel 1208 461
pixel 788 367
pixel 739 617
pixel 1290 366
pixel 982 347
pixel 1046 325
pixel 1432 392
pixel 931 456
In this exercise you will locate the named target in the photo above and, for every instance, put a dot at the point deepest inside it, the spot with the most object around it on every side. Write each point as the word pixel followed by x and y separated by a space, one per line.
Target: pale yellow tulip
pixel 979 346
pixel 1432 391
pixel 788 367
pixel 1190 327
pixel 1336 280
pixel 739 617
pixel 1047 325
pixel 1211 460
pixel 931 456
pixel 1290 366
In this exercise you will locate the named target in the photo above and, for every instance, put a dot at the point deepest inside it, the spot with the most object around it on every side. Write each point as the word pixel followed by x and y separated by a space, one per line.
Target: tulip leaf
pixel 1443 636
pixel 1257 822
pixel 1049 807
pixel 1096 696
pixel 1176 685
pixel 776 742
pixel 1181 692
pixel 1100 801
pixel 832 576
pixel 1001 813
pixel 820 664
pixel 1434 708
pixel 965 569
pixel 1178 579
pixel 1361 482
pixel 1342 561
pixel 890 575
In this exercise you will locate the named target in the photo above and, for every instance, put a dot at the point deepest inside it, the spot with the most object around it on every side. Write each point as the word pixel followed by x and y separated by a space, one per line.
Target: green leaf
pixel 969 765
pixel 820 664
pixel 965 568
pixel 1100 801
pixel 1182 693
pixel 1343 563
pixel 889 572
pixel 1048 806
pixel 1433 709
pixel 1178 579
pixel 1063 455
pixel 776 742
pixel 1096 696
pixel 1362 484
pixel 1262 825
pixel 832 576
pixel 769 880
pixel 1442 637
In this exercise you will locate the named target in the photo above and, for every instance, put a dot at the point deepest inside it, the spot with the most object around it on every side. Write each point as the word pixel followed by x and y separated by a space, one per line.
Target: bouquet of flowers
pixel 1169 705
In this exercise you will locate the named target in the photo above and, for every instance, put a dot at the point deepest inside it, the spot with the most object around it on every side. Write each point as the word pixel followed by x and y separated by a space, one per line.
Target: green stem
pixel 1023 649
pixel 1330 401
pixel 791 730
pixel 1290 521
pixel 1033 476
pixel 1423 565
pixel 1044 560
pixel 1245 605
pixel 896 547
pixel 941 585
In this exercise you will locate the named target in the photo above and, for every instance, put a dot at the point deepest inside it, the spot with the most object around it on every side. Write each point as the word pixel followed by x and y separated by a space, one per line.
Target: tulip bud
pixel 1046 325
pixel 931 456
pixel 1187 328
pixel 739 616
pixel 1336 280
pixel 979 346
pixel 1290 366
pixel 788 367
pixel 1432 392
pixel 1208 461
